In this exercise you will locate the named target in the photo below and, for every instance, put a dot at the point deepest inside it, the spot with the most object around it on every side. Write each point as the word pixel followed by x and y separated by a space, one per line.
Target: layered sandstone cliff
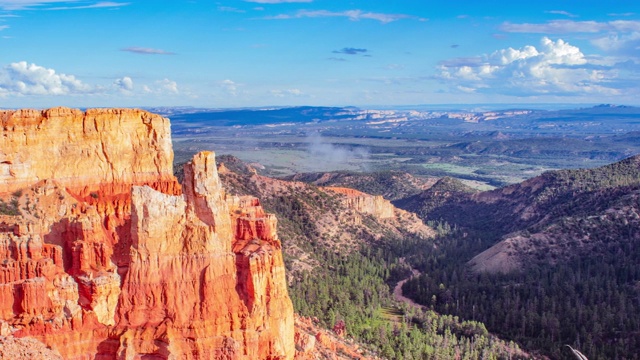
pixel 374 205
pixel 382 210
pixel 108 258
pixel 84 151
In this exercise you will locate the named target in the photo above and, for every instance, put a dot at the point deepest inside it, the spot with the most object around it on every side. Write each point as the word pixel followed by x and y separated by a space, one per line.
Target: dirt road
pixel 397 291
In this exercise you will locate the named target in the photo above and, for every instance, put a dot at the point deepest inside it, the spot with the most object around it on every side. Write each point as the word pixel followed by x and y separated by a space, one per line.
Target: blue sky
pixel 317 52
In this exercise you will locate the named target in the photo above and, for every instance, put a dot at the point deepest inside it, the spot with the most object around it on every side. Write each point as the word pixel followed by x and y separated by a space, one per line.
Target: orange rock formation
pixel 111 259
pixel 374 205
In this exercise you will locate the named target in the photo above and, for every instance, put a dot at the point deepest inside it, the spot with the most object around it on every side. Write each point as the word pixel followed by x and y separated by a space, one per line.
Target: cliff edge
pixel 103 255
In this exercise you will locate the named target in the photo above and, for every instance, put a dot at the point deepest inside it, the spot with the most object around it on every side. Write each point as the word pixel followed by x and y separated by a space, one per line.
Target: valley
pixel 319 180
pixel 390 248
pixel 532 253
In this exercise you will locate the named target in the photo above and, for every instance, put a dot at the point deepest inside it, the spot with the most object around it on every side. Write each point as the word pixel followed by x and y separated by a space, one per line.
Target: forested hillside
pixel 342 269
pixel 548 262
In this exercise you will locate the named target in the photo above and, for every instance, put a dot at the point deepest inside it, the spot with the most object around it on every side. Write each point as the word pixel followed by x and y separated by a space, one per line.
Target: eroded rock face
pixel 109 259
pixel 100 149
pixel 25 348
pixel 382 210
pixel 374 205
pixel 185 281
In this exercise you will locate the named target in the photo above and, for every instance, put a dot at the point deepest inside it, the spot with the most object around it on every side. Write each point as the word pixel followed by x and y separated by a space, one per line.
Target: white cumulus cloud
pixel 617 37
pixel 229 86
pixel 21 78
pixel 167 85
pixel 625 45
pixel 124 84
pixel 554 67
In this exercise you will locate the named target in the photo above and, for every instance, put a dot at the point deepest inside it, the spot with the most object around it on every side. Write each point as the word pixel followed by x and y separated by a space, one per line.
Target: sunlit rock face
pixel 106 256
pixel 374 205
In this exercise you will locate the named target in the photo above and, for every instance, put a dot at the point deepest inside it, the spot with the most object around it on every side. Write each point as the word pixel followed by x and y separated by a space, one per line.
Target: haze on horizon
pixel 244 53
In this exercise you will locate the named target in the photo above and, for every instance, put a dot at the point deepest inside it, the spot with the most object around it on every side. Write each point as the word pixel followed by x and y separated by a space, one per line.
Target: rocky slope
pixel 25 348
pixel 104 255
pixel 374 205
pixel 336 218
pixel 313 342
pixel 392 185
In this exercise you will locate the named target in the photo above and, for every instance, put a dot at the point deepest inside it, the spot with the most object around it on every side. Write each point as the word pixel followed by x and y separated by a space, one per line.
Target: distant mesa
pixel 611 106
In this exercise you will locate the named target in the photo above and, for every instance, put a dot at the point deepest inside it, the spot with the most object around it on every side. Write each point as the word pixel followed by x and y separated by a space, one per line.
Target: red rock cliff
pixel 109 259
pixel 374 205
pixel 83 151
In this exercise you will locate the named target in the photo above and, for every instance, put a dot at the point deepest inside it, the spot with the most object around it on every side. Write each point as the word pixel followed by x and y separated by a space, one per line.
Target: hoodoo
pixel 104 255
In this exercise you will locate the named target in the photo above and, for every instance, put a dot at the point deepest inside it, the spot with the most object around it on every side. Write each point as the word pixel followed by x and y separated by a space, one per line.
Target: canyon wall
pixel 374 205
pixel 103 255
pixel 83 151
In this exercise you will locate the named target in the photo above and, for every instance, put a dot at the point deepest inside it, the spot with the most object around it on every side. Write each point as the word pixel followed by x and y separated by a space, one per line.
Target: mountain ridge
pixel 533 205
pixel 545 262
